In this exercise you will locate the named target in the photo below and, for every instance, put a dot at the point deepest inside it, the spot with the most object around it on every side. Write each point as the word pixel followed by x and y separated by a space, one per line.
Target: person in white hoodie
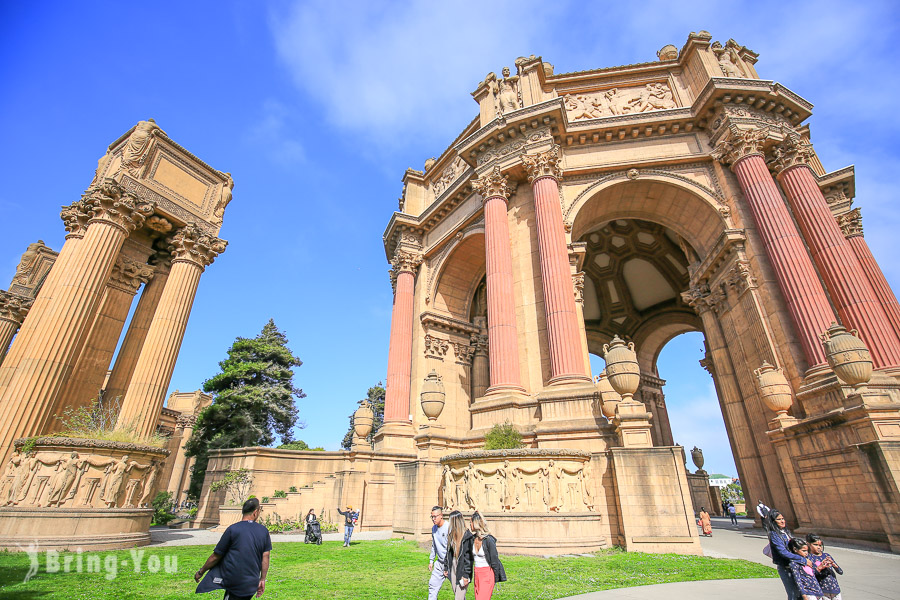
pixel 439 534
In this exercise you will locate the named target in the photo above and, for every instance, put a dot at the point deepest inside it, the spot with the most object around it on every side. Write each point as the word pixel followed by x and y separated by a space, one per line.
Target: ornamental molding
pixel 794 150
pixel 538 137
pixel 14 307
pixel 435 322
pixel 436 347
pixel 740 277
pixel 185 420
pixel 578 284
pixel 191 244
pixel 464 353
pixel 739 142
pixel 404 261
pixel 493 184
pixel 851 223
pixel 543 164
pixel 109 202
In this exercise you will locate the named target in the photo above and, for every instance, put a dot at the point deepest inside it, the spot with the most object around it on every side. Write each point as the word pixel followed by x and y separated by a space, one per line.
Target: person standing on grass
pixel 732 512
pixel 458 561
pixel 240 561
pixel 487 566
pixel 440 531
pixel 350 520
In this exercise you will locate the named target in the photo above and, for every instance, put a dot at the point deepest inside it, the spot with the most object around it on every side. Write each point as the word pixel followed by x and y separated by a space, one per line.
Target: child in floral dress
pixel 804 575
pixel 825 568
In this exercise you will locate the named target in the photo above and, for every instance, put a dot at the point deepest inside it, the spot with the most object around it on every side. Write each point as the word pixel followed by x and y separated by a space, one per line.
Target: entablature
pixel 839 189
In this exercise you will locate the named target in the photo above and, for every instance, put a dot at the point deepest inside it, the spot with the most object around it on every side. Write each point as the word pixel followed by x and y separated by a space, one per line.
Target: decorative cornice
pixel 109 203
pixel 702 299
pixel 793 151
pixel 739 143
pixel 128 275
pixel 543 164
pixel 190 244
pixel 494 184
pixel 75 218
pixel 14 307
pixel 435 322
pixel 851 223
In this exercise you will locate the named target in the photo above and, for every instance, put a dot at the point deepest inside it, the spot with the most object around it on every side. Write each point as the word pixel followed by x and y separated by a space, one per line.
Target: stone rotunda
pixel 605 212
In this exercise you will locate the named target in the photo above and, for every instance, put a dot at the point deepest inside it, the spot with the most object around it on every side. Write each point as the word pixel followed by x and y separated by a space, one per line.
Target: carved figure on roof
pixel 224 199
pixel 507 93
pixel 138 145
pixel 728 60
pixel 27 262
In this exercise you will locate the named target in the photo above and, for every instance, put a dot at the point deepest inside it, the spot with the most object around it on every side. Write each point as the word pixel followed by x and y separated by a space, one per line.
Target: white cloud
pixel 273 131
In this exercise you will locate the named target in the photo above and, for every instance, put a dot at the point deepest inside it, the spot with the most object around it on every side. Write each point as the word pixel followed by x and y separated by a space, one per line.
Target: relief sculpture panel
pixel 619 101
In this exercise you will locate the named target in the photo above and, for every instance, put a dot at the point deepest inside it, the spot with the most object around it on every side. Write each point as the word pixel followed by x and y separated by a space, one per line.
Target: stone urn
pixel 622 367
pixel 774 388
pixel 432 396
pixel 609 397
pixel 697 457
pixel 847 355
pixel 363 419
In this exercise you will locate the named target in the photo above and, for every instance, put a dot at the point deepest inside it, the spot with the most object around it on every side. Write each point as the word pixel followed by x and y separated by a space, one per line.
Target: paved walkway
pixel 868 574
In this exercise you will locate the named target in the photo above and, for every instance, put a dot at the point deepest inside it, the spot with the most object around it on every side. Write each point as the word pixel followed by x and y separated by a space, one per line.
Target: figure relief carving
pixel 224 199
pixel 448 176
pixel 578 283
pixel 619 101
pixel 464 353
pixel 186 421
pixel 851 223
pixel 14 307
pixel 27 262
pixel 138 146
pixel 836 196
pixel 543 164
pixel 436 347
pixel 118 478
pixel 128 274
pixel 741 276
pixel 190 244
pixel 494 184
pixel 738 143
pixel 507 97
pixel 794 150
pixel 109 202
pixel 728 60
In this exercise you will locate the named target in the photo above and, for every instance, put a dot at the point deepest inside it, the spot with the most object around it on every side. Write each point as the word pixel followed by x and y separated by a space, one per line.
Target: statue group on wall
pixel 33 479
pixel 619 101
pixel 728 60
pixel 556 486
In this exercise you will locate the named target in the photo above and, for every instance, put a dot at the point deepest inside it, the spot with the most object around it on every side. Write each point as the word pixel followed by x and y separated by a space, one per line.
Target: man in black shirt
pixel 240 560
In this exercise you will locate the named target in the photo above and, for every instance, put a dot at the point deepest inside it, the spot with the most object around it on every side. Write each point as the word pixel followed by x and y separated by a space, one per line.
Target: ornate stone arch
pixel 465 250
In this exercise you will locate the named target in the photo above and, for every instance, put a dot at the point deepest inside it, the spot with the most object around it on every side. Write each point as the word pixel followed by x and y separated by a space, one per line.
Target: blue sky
pixel 318 108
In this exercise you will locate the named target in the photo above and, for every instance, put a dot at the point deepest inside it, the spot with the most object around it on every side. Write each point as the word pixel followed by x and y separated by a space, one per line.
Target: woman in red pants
pixel 488 568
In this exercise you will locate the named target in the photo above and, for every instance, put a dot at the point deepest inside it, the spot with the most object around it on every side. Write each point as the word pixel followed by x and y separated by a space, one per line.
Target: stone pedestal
pixel 632 423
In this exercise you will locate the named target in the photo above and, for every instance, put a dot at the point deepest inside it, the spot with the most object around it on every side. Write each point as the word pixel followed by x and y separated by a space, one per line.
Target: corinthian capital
pixel 701 299
pixel 110 203
pixel 493 184
pixel 738 143
pixel 192 245
pixel 794 150
pixel 851 223
pixel 14 307
pixel 75 218
pixel 128 275
pixel 543 164
pixel 404 261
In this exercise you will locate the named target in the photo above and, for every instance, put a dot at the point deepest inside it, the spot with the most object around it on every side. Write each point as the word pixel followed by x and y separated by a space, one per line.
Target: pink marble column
pixel 844 278
pixel 396 398
pixel 566 357
pixel 503 337
pixel 806 301
pixel 851 226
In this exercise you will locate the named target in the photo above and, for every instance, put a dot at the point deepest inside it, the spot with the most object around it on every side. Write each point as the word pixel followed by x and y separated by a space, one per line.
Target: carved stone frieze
pixel 619 101
pixel 107 201
pixel 794 150
pixel 851 223
pixel 516 145
pixel 14 307
pixel 190 244
pixel 746 115
pixel 494 184
pixel 137 148
pixel 464 353
pixel 450 173
pixel 128 274
pixel 739 142
pixel 543 164
pixel 578 283
pixel 186 420
pixel 436 347
pixel 728 59
pixel 740 276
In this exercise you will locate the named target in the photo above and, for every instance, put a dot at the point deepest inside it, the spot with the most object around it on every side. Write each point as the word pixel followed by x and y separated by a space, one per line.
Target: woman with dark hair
pixel 458 560
pixel 779 536
pixel 313 529
pixel 488 568
pixel 825 568
pixel 804 575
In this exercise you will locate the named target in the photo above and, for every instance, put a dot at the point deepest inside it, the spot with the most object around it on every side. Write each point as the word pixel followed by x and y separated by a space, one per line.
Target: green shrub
pixel 162 508
pixel 275 524
pixel 327 526
pixel 265 499
pixel 192 512
pixel 503 437
pixel 293 488
pixel 237 483
pixel 279 494
pixel 297 445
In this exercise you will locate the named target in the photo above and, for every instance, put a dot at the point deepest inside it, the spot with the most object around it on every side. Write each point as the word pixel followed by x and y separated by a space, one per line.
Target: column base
pixel 503 389
pixel 570 378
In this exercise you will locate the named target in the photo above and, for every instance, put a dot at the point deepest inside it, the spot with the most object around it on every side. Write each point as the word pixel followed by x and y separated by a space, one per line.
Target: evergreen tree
pixel 253 400
pixel 375 396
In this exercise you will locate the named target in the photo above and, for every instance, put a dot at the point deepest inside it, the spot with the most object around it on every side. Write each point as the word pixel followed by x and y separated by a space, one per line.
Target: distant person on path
pixel 440 531
pixel 705 523
pixel 804 574
pixel 826 569
pixel 458 561
pixel 779 537
pixel 488 568
pixel 240 561
pixel 732 512
pixel 763 511
pixel 350 519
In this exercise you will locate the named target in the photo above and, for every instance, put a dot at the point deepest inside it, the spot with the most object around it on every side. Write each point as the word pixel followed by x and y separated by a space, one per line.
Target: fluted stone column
pixel 176 482
pixel 396 400
pixel 13 309
pixel 50 349
pixel 566 359
pixel 844 278
pixel 806 301
pixel 87 377
pixel 851 226
pixel 480 366
pixel 192 251
pixel 503 337
pixel 138 328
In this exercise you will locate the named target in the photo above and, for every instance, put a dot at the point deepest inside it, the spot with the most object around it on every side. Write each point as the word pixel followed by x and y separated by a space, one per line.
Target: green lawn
pixel 390 569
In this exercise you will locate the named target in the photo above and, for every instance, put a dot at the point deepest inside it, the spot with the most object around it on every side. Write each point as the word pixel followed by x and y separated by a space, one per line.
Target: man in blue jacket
pixel 350 519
